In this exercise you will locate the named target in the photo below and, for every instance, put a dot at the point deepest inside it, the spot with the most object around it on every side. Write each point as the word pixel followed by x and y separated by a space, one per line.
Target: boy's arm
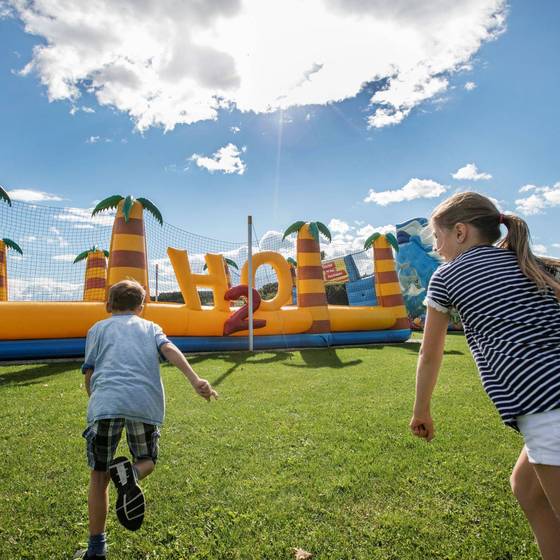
pixel 174 356
pixel 89 359
pixel 429 363
pixel 87 380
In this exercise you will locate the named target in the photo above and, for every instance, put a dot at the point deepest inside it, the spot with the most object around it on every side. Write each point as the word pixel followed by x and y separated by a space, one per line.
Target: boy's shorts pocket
pixel 143 440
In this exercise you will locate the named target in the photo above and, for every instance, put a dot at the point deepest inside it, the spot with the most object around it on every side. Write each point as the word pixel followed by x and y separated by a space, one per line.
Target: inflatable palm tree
pixel 6 244
pixel 310 284
pixel 227 264
pixel 387 286
pixel 95 282
pixel 293 265
pixel 127 254
pixel 4 197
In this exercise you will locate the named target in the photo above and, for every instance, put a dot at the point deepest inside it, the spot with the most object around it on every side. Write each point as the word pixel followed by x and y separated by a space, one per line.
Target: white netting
pixel 52 237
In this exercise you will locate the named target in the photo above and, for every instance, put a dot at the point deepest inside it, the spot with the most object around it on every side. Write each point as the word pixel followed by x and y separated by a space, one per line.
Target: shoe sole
pixel 131 504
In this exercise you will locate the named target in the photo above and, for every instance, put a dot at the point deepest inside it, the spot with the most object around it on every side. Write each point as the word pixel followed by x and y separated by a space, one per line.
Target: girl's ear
pixel 461 232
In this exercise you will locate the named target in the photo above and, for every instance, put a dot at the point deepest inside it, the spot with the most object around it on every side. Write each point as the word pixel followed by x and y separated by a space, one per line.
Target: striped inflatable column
pixel 127 256
pixel 3 272
pixel 387 286
pixel 310 284
pixel 96 276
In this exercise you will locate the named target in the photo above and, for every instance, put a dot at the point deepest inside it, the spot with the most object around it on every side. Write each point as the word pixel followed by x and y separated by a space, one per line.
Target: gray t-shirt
pixel 123 352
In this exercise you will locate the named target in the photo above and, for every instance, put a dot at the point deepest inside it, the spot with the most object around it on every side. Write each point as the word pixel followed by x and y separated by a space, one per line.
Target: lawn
pixel 305 449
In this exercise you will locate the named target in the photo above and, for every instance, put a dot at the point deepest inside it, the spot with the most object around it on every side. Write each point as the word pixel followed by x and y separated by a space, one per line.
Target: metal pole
pixel 157 282
pixel 250 277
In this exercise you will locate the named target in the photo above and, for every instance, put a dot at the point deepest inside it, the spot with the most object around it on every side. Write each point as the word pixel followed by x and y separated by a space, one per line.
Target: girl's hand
pixel 204 389
pixel 423 427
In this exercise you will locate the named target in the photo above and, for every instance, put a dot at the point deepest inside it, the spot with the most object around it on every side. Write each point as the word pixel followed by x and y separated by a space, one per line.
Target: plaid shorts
pixel 102 438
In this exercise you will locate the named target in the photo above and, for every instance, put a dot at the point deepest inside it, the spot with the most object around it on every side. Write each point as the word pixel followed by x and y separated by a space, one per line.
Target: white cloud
pixel 168 62
pixel 84 109
pixel 56 237
pixel 235 129
pixel 471 173
pixel 469 86
pixel 64 258
pixel 30 195
pixel 541 199
pixel 415 188
pixel 338 226
pixel 226 160
pixel 97 139
pixel 540 250
pixel 5 10
pixel 43 288
pixel 82 218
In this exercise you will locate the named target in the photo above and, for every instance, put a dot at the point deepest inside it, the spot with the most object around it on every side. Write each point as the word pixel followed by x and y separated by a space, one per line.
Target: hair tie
pixel 502 219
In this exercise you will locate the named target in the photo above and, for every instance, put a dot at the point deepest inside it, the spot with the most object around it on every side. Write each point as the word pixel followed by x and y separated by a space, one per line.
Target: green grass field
pixel 305 449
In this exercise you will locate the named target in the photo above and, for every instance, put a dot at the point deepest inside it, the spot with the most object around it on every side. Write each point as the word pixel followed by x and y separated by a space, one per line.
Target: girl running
pixel 508 301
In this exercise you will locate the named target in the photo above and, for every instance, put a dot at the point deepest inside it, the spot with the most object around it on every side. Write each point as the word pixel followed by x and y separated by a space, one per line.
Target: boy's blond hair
pixel 126 295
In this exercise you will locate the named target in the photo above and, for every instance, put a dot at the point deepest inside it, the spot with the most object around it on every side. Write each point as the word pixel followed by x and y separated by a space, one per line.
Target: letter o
pixel 282 269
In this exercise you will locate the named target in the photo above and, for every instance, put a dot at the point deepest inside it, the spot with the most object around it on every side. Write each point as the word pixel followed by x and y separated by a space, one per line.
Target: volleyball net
pixel 51 238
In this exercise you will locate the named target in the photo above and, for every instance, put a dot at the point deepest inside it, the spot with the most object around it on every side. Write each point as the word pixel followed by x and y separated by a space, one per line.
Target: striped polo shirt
pixel 512 329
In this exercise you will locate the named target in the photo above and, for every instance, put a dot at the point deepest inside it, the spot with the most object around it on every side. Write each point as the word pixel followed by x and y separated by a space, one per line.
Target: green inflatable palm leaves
pixel 113 201
pixel 85 254
pixel 294 228
pixel 314 229
pixel 151 208
pixel 391 239
pixel 107 204
pixel 12 245
pixel 292 262
pixel 4 197
pixel 229 262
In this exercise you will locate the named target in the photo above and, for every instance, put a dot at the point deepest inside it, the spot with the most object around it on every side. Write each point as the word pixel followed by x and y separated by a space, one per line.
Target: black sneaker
pixel 131 504
pixel 83 555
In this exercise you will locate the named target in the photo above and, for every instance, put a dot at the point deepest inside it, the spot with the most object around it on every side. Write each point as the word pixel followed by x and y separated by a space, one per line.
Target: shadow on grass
pixel 35 373
pixel 411 346
pixel 238 359
pixel 321 358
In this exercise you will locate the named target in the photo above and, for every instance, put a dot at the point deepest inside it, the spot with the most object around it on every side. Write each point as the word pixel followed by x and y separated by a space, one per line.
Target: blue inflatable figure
pixel 416 262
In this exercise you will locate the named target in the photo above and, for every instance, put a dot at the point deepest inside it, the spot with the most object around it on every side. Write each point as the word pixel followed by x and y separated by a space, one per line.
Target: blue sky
pixel 289 159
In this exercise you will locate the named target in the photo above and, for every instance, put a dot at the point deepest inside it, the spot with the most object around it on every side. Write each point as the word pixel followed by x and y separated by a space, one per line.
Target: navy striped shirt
pixel 512 329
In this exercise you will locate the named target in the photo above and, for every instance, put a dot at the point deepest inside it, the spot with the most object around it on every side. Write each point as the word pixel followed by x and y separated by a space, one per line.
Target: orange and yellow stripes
pixel 127 256
pixel 310 284
pixel 387 286
pixel 3 272
pixel 96 276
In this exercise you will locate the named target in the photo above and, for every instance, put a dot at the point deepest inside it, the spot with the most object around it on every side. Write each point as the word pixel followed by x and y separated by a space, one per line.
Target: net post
pixel 157 281
pixel 250 277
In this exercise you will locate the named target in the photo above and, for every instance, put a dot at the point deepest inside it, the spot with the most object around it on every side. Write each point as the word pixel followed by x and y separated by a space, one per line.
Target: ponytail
pixel 517 240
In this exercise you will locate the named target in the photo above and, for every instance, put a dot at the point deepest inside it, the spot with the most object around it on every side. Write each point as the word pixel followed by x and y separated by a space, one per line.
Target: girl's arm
pixel 429 362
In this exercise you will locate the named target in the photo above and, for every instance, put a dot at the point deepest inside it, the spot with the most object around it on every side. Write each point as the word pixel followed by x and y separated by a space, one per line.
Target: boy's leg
pixel 102 439
pixel 143 442
pixel 529 492
pixel 144 467
pixel 98 501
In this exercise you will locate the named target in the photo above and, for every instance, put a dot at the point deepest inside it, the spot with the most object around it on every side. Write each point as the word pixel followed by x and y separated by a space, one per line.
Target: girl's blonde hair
pixel 476 209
